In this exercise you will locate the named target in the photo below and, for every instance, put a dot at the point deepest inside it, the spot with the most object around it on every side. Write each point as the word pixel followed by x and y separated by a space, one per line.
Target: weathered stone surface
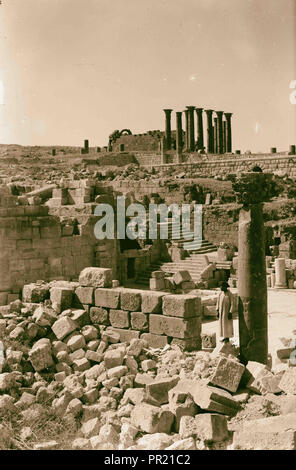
pixel 124 335
pixel 181 404
pixel 61 298
pixel 155 341
pixel 175 327
pixel 41 355
pixel 208 340
pixel 63 327
pixel 107 298
pixel 76 342
pixel 151 419
pixel 208 398
pixel 7 381
pixel 228 374
pixel 183 444
pixel 99 316
pixel 89 332
pixel 187 344
pixel 181 276
pixel 139 321
pixel 35 292
pixel 157 391
pixel 151 302
pixel 44 316
pixel 80 316
pixel 157 441
pixel 182 305
pixel 96 277
pixel 91 427
pixel 208 427
pixel 288 381
pixel 85 295
pixel 113 358
pixel 130 300
pixel 119 318
pixel 274 433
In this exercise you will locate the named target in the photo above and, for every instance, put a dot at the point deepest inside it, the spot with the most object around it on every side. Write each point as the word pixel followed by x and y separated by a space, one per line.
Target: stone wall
pixel 223 166
pixel 158 317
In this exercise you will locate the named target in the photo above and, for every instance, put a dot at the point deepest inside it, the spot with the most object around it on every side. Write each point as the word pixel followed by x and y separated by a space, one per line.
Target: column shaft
pixel 215 135
pixel 191 142
pixel 200 135
pixel 220 131
pixel 179 132
pixel 228 132
pixel 168 132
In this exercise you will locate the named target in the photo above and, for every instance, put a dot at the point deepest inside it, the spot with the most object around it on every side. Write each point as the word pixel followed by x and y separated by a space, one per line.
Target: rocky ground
pixel 67 383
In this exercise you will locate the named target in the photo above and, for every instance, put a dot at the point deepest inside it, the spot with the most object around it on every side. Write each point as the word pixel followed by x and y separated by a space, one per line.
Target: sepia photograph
pixel 147 228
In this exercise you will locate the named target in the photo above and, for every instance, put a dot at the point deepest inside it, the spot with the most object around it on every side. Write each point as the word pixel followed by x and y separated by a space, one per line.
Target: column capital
pixel 209 111
pixel 219 113
pixel 190 108
pixel 199 110
pixel 179 113
pixel 228 115
pixel 168 111
pixel 253 187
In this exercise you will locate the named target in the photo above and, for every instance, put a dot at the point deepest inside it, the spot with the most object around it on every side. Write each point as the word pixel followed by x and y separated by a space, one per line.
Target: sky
pixel 79 69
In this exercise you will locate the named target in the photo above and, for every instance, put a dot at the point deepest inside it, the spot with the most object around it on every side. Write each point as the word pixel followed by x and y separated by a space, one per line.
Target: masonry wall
pixel 158 317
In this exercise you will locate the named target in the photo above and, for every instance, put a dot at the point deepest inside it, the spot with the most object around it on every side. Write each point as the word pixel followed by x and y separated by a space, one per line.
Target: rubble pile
pixel 120 392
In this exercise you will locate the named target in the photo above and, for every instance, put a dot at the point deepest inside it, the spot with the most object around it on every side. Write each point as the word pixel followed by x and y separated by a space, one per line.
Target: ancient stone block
pixel 96 277
pixel 181 276
pixel 99 316
pixel 208 340
pixel 61 298
pixel 207 427
pixel 63 327
pixel 185 306
pixel 41 355
pixel 107 298
pixel 76 342
pixel 35 292
pixel 151 302
pixel 113 358
pixel 151 419
pixel 228 374
pixel 80 317
pixel 188 344
pixel 124 335
pixel 119 318
pixel 157 391
pixel 156 284
pixel 139 321
pixel 175 327
pixel 130 300
pixel 288 381
pixel 84 295
pixel 155 341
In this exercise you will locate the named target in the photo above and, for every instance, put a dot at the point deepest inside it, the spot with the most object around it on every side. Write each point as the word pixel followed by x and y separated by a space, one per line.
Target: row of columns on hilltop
pixel 219 137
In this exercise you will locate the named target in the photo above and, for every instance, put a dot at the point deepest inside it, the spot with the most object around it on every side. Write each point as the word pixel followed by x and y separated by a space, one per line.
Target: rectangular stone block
pixel 119 318
pixel 63 327
pixel 208 340
pixel 175 327
pixel 130 300
pixel 156 284
pixel 188 344
pixel 209 311
pixel 155 341
pixel 185 306
pixel 107 298
pixel 181 276
pixel 35 292
pixel 84 295
pixel 288 381
pixel 139 321
pixel 99 316
pixel 125 335
pixel 95 277
pixel 152 302
pixel 61 298
pixel 228 374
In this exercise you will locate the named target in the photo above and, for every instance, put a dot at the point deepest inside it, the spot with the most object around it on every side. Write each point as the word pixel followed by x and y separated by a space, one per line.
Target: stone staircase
pixel 195 264
pixel 199 246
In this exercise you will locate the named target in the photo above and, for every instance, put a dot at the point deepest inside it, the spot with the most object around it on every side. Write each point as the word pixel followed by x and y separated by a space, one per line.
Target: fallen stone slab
pixel 274 433
pixel 63 327
pixel 207 427
pixel 227 374
pixel 181 276
pixel 95 277
pixel 288 381
pixel 35 292
pixel 152 419
pixel 40 355
pixel 157 391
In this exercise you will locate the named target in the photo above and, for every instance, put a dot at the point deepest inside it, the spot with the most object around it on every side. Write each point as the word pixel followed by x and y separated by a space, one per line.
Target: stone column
pixel 200 135
pixel 179 133
pixel 210 131
pixel 251 190
pixel 292 150
pixel 186 129
pixel 224 136
pixel 168 132
pixel 215 135
pixel 228 132
pixel 220 131
pixel 280 273
pixel 191 140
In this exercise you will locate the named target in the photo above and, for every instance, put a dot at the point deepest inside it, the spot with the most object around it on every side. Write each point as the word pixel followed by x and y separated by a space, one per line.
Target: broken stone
pixel 63 327
pixel 227 374
pixel 96 277
pixel 151 419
